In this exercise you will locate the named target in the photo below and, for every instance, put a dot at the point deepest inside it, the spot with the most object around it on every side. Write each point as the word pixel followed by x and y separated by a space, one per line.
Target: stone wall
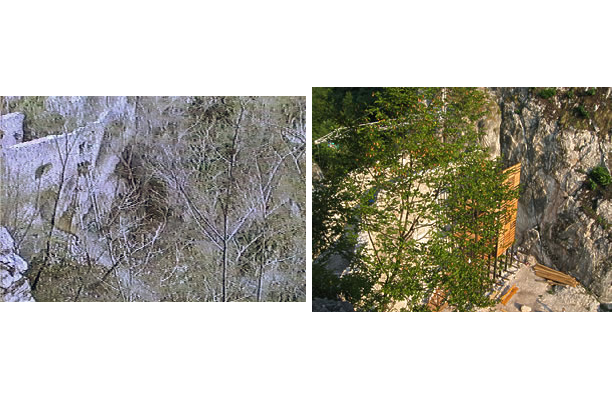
pixel 40 163
pixel 75 169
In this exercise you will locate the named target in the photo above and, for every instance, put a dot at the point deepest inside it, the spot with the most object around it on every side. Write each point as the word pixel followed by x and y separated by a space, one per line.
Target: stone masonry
pixel 76 169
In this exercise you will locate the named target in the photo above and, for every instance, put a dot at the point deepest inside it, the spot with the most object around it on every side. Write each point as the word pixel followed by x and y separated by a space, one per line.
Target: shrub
pixel 324 283
pixel 591 91
pixel 600 176
pixel 547 93
pixel 581 112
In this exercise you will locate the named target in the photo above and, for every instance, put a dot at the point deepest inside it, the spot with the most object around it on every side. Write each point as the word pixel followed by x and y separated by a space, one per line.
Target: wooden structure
pixel 504 252
pixel 554 276
pixel 437 302
pixel 506 297
pixel 506 237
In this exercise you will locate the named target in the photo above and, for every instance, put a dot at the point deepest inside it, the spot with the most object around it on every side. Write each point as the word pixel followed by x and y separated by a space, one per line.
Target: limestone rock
pixel 525 309
pixel 556 150
pixel 491 126
pixel 84 160
pixel 13 285
pixel 570 299
pixel 7 244
pixel 604 210
pixel 11 129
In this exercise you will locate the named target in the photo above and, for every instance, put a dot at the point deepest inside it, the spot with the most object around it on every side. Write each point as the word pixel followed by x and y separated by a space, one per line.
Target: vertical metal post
pixel 495 259
pixel 506 260
pixel 494 267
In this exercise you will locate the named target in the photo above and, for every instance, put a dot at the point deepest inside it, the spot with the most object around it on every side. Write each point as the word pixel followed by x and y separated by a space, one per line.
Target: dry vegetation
pixel 209 205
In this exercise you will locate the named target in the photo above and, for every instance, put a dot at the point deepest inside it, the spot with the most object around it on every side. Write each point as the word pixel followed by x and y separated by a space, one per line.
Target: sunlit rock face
pixel 560 221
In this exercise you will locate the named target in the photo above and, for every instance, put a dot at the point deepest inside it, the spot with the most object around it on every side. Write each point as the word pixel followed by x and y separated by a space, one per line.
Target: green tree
pixel 418 184
pixel 323 113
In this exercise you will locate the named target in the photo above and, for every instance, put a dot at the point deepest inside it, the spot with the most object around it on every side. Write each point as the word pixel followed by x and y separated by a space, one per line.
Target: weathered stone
pixel 490 126
pixel 11 129
pixel 82 163
pixel 604 210
pixel 525 309
pixel 13 285
pixel 555 151
pixel 7 245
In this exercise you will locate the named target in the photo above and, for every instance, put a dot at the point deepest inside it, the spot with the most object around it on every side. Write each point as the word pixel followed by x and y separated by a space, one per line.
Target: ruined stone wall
pixel 42 162
pixel 62 176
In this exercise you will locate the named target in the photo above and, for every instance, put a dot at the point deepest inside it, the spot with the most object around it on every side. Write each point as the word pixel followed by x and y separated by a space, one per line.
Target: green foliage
pixel 570 94
pixel 323 120
pixel 324 283
pixel 422 137
pixel 600 176
pixel 474 214
pixel 547 93
pixel 591 91
pixel 352 104
pixel 581 112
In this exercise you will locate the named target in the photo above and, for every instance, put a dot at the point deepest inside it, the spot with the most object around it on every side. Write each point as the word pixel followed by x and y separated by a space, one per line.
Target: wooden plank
pixel 505 298
pixel 545 272
pixel 548 269
pixel 506 237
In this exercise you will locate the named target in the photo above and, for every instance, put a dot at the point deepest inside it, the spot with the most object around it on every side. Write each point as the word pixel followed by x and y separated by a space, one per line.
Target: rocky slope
pixel 118 198
pixel 557 139
pixel 13 284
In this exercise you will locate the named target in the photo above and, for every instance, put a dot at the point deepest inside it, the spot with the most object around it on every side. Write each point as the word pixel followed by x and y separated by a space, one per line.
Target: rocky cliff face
pixel 557 139
pixel 13 284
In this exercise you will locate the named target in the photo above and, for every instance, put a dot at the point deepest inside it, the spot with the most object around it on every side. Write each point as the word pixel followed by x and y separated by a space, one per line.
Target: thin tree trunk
pixel 262 263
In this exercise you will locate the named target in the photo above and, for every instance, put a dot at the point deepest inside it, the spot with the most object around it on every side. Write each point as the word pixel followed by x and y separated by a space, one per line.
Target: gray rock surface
pixel 556 149
pixel 14 286
pixel 82 163
pixel 11 129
